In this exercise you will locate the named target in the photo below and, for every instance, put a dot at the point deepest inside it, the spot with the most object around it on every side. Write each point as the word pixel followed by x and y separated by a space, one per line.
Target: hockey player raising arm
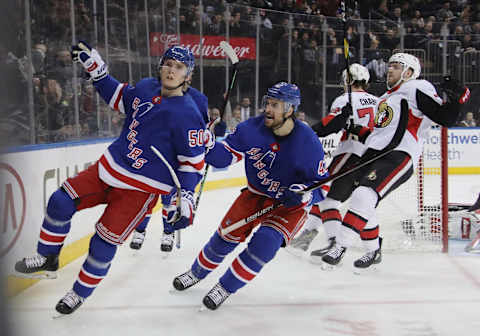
pixel 349 151
pixel 128 177
pixel 282 155
pixel 413 98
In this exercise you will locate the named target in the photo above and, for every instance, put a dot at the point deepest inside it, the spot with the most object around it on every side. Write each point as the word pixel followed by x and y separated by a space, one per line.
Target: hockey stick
pixel 346 52
pixel 177 186
pixel 397 137
pixel 228 50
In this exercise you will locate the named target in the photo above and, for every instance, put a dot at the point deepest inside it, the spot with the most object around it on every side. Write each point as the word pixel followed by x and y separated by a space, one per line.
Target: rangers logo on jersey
pixel 384 115
pixel 157 99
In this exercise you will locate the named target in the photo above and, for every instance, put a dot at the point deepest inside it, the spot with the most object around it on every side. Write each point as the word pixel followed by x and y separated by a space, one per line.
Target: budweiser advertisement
pixel 243 46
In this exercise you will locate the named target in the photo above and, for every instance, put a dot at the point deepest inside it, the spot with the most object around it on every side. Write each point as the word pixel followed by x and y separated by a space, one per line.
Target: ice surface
pixel 414 294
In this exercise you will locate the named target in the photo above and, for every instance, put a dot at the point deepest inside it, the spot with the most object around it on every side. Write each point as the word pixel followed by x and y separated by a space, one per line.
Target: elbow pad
pixel 443 114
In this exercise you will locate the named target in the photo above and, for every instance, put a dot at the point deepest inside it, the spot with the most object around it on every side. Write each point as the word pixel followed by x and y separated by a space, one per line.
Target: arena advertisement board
pixel 244 46
pixel 29 178
pixel 463 150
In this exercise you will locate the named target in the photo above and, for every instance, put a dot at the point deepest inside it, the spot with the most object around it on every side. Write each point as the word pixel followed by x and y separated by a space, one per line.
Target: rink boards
pixel 31 174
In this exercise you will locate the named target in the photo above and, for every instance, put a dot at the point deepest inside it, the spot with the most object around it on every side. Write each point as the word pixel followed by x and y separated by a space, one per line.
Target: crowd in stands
pixel 57 100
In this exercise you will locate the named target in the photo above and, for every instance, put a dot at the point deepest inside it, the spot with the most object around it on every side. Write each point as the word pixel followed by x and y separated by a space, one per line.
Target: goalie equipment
pixel 408 62
pixel 358 73
pixel 69 303
pixel 215 297
pixel 462 223
pixel 38 267
pixel 474 245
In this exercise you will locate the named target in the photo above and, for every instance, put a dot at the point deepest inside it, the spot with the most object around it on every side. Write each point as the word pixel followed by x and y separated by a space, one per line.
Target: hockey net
pixel 415 216
pixel 411 217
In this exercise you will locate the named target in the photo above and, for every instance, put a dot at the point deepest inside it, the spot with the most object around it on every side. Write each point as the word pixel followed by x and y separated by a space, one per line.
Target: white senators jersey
pixel 388 115
pixel 364 107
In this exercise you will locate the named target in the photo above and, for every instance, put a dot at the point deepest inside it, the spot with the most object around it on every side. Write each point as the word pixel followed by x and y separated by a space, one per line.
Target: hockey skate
pixel 167 242
pixel 316 255
pixel 38 267
pixel 369 260
pixel 215 297
pixel 300 244
pixel 333 257
pixel 69 303
pixel 137 240
pixel 185 280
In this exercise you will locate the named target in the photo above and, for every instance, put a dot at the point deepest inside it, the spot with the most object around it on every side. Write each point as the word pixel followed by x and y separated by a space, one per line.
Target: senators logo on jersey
pixel 384 115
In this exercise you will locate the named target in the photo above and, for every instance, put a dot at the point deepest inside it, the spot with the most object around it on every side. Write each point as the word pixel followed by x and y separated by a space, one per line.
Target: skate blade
pixel 328 267
pixel 202 309
pixel 58 315
pixel 364 271
pixel 316 260
pixel 165 255
pixel 46 275
pixel 297 252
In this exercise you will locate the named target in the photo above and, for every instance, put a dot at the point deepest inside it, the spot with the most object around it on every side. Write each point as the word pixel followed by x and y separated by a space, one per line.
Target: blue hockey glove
pixel 292 197
pixel 90 59
pixel 183 217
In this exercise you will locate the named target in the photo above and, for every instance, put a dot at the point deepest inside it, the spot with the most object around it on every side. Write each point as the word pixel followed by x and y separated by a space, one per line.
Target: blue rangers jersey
pixel 174 125
pixel 272 163
pixel 151 90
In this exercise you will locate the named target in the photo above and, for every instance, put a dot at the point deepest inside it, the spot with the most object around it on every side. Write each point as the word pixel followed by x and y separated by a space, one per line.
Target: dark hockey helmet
pixel 288 93
pixel 180 54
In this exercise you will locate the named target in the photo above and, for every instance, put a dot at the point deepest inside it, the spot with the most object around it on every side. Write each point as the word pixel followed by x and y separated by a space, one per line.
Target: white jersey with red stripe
pixel 174 125
pixel 363 107
pixel 388 115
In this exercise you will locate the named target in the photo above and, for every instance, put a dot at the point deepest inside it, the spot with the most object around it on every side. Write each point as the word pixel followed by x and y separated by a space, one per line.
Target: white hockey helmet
pixel 408 61
pixel 357 72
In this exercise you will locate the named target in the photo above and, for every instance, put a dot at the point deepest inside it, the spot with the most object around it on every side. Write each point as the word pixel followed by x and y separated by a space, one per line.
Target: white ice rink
pixel 414 294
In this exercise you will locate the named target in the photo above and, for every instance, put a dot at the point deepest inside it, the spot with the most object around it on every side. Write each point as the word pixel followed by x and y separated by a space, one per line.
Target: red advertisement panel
pixel 243 46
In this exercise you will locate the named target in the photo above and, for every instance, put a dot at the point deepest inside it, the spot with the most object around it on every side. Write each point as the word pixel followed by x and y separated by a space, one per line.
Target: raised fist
pixel 90 59
pixel 454 90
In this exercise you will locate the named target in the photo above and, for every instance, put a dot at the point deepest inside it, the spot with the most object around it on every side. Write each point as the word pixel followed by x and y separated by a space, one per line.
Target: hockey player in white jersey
pixel 409 97
pixel 348 152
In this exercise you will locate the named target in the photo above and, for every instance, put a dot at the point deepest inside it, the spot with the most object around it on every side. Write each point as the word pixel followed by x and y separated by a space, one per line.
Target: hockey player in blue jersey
pixel 282 156
pixel 151 87
pixel 129 177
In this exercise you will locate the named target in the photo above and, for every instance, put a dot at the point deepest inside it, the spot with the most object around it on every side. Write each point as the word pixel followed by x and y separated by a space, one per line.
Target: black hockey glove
pixel 326 126
pixel 455 92
pixel 358 133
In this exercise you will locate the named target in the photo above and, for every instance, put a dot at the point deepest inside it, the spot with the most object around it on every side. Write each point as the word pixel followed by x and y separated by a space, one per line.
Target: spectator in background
pixel 221 127
pixel 301 117
pixel 245 108
pixel 236 118
pixel 445 12
pixel 376 65
pixel 469 121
